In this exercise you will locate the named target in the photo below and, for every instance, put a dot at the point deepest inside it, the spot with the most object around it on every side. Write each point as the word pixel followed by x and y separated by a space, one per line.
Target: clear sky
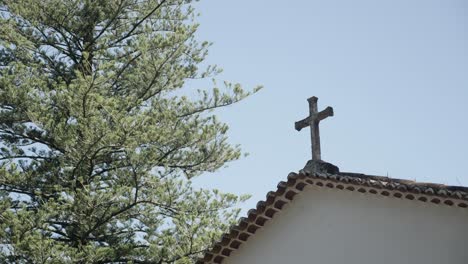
pixel 395 72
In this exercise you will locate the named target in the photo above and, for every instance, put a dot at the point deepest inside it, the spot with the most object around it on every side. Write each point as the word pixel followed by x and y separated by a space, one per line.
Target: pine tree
pixel 101 131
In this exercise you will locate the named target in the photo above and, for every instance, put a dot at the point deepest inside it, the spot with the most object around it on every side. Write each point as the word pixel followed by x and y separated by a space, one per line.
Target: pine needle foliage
pixel 100 133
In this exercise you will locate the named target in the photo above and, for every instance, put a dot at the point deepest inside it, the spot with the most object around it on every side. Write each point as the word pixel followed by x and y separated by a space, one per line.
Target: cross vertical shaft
pixel 313 121
pixel 314 129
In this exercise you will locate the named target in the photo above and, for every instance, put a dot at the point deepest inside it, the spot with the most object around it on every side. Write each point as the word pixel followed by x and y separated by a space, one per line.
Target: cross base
pixel 314 166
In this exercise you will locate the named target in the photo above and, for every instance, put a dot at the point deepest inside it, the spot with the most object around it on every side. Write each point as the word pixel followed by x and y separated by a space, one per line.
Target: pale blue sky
pixel 395 73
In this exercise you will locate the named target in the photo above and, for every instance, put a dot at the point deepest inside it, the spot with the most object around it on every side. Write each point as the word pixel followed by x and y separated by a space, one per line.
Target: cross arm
pixel 301 124
pixel 325 113
pixel 316 117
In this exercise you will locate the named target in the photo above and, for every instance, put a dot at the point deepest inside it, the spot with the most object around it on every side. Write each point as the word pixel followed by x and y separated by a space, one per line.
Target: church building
pixel 323 216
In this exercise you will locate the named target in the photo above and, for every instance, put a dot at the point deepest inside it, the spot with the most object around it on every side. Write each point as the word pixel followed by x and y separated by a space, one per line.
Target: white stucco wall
pixel 329 226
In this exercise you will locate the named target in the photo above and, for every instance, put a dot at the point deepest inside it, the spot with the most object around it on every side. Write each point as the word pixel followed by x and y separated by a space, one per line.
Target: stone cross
pixel 313 121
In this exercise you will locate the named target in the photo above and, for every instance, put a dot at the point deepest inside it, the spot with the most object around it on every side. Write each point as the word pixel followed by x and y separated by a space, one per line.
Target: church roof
pixel 454 196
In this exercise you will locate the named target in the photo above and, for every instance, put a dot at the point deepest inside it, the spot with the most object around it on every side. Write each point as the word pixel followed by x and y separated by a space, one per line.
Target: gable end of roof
pixel 454 196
